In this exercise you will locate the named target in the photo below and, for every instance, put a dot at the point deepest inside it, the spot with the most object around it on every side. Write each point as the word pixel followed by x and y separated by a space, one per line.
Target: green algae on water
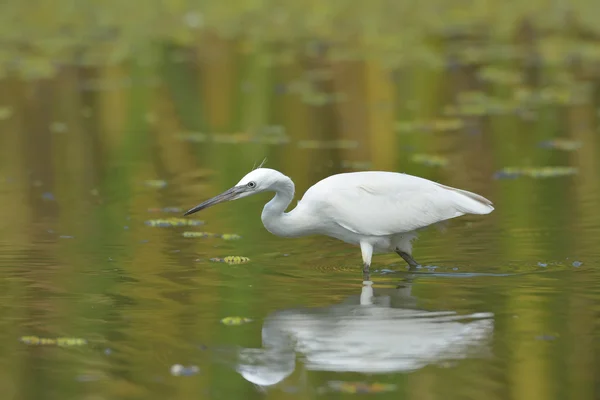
pixel 231 260
pixel 535 172
pixel 437 125
pixel 224 236
pixel 234 320
pixel 61 341
pixel 155 183
pixel 561 144
pixel 171 222
pixel 272 135
pixel 198 235
pixel 429 160
pixel 230 236
pixel 356 165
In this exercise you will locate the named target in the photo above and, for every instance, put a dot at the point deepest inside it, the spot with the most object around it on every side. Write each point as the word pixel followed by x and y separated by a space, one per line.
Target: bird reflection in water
pixel 379 331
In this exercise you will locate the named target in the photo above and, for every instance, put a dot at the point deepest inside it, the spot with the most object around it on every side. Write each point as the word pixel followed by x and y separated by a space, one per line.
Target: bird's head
pixel 256 181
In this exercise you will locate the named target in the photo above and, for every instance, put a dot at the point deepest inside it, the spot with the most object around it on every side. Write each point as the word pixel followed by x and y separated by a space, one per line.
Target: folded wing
pixel 379 205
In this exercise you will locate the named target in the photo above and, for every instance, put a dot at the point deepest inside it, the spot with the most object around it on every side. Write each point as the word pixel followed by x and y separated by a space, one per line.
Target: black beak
pixel 230 194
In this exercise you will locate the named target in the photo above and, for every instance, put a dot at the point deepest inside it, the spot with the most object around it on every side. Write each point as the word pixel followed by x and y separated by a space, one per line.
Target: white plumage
pixel 379 211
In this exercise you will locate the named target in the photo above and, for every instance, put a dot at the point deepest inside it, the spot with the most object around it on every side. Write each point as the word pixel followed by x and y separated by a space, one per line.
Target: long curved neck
pixel 277 221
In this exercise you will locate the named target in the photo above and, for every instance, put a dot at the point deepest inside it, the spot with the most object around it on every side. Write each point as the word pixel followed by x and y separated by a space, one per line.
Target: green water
pixel 505 307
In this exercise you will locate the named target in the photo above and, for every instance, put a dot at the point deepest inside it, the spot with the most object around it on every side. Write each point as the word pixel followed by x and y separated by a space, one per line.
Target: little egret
pixel 379 211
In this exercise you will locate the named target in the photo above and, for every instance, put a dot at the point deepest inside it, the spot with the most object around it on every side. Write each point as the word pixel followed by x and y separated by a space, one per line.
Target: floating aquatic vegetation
pixel 231 260
pixel 231 138
pixel 429 160
pixel 479 104
pixel 474 54
pixel 169 222
pixel 273 134
pixel 90 377
pixel 156 183
pixel 225 236
pixel 61 341
pixel 490 106
pixel 230 236
pixel 310 94
pixel 502 76
pixel 325 144
pixel 196 137
pixel 356 164
pixel 198 234
pixel 166 210
pixel 247 138
pixel 437 125
pixel 553 48
pixel 272 139
pixel 360 387
pixel 472 96
pixel 180 370
pixel 559 95
pixel 410 126
pixel 318 99
pixel 532 172
pixel 233 321
pixel 561 144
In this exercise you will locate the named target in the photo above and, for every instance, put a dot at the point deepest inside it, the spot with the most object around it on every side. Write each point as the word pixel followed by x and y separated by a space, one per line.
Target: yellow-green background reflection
pixel 97 98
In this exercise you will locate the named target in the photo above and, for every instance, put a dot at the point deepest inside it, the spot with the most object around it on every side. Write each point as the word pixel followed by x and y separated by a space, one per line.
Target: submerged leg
pixel 409 260
pixel 366 274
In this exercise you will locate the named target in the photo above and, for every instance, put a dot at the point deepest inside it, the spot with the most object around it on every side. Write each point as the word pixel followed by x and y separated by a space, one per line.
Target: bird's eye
pixel 251 184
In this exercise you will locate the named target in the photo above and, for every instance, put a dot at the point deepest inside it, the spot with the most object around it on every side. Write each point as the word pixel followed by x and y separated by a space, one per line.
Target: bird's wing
pixel 380 207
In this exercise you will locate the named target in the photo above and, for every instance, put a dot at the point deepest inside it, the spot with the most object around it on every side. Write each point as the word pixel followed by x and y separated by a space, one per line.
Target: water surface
pixel 505 306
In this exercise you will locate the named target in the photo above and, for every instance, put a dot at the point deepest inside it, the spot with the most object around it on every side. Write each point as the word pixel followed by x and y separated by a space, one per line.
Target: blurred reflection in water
pixel 380 331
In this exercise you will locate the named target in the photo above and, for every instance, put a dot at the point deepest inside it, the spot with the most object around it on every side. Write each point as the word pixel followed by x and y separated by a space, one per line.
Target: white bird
pixel 379 211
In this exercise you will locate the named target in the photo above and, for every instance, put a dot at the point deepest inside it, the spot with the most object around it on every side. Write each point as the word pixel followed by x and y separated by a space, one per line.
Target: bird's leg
pixel 366 268
pixel 366 273
pixel 367 253
pixel 409 260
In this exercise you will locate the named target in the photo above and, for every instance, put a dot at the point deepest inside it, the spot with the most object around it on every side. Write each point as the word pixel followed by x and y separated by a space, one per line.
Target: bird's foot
pixel 412 264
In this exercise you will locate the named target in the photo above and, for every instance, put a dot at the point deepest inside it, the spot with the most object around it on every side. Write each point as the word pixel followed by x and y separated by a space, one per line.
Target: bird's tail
pixel 471 203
